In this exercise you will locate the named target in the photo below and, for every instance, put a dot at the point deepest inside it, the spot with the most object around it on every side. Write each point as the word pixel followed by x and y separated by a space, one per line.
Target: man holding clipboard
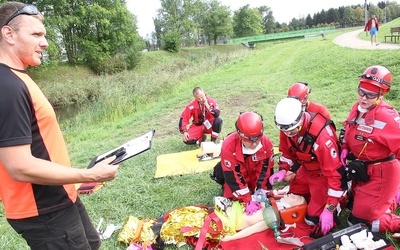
pixel 37 182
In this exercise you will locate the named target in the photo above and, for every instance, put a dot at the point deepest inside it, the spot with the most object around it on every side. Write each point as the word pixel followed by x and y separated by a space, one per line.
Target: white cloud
pixel 283 10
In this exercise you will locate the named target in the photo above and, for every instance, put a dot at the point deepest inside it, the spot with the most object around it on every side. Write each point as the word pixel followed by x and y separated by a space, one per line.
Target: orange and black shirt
pixel 27 117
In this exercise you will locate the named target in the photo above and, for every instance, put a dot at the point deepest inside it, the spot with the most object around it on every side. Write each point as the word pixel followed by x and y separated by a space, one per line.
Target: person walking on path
pixel 372 26
pixel 37 182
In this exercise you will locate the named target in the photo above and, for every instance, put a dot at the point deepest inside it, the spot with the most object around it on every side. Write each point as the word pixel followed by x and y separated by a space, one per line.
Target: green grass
pixel 132 103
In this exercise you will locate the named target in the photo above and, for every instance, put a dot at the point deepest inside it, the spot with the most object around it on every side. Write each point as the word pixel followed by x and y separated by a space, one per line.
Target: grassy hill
pixel 129 104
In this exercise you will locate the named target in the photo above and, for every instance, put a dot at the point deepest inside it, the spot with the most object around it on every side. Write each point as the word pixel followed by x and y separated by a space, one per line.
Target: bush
pixel 171 41
pixel 110 66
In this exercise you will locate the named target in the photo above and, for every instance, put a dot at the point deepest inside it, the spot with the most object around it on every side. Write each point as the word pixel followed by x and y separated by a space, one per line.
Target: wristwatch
pixel 330 207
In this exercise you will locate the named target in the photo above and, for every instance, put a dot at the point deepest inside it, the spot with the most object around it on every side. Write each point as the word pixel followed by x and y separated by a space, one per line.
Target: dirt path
pixel 351 40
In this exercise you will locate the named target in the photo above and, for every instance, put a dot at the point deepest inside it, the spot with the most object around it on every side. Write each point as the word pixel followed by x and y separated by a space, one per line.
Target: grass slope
pixel 256 81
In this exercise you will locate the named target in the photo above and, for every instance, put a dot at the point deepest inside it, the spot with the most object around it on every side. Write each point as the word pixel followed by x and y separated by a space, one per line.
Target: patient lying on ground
pixel 291 207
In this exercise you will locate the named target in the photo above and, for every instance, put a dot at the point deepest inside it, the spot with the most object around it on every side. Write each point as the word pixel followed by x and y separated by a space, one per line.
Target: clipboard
pixel 127 150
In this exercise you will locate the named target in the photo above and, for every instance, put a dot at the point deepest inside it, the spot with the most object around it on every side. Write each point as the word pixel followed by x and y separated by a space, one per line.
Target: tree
pixel 350 16
pixel 360 15
pixel 94 32
pixel 180 16
pixel 247 22
pixel 332 16
pixel 268 19
pixel 158 26
pixel 309 21
pixel 217 21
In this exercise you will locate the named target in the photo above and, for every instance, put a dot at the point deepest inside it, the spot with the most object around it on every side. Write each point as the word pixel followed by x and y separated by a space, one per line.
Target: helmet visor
pixel 286 127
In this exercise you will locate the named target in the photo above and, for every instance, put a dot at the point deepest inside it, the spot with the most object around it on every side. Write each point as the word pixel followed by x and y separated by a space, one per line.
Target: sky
pixel 283 10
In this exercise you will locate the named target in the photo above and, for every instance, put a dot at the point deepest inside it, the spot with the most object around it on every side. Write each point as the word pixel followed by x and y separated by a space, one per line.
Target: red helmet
pixel 376 79
pixel 249 126
pixel 300 91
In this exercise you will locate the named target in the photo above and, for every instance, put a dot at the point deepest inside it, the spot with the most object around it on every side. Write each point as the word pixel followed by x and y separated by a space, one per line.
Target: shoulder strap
pixel 317 124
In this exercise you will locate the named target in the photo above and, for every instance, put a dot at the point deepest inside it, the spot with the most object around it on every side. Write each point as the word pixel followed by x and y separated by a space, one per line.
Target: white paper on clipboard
pixel 127 150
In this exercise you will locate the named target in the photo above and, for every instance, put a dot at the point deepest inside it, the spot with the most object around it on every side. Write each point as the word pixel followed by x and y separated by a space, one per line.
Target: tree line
pixel 198 22
pixel 102 34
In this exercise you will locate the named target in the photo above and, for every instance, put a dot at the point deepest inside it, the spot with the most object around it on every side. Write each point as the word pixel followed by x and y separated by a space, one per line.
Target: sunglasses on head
pixel 27 9
pixel 368 95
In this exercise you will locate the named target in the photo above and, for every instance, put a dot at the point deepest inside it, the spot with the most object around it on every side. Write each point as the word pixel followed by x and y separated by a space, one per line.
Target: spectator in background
pixel 200 117
pixel 310 140
pixel 37 182
pixel 371 143
pixel 247 161
pixel 373 26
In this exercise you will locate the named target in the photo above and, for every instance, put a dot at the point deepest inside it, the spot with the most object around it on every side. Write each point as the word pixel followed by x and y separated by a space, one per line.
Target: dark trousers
pixel 66 229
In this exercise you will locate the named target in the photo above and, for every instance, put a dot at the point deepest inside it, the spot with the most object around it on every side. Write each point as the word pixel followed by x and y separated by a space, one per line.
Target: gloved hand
pixel 326 220
pixel 252 207
pixel 343 156
pixel 397 197
pixel 279 176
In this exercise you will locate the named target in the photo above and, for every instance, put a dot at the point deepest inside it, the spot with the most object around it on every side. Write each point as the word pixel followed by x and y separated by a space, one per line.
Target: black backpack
pixel 218 175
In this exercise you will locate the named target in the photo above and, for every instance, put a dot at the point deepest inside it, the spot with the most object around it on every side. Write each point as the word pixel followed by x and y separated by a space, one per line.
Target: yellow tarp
pixel 185 162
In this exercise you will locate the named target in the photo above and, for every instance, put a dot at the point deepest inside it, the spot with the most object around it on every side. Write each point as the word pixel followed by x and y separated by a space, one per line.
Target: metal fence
pixel 281 35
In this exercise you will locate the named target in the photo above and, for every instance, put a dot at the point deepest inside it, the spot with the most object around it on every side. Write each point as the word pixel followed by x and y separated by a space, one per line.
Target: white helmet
pixel 288 114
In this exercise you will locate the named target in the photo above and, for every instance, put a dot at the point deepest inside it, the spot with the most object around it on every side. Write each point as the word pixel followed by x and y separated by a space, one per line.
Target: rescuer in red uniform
pixel 371 144
pixel 301 91
pixel 310 140
pixel 247 161
pixel 200 117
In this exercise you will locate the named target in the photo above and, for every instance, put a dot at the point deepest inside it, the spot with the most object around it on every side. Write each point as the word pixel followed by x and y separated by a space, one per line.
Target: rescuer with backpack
pixel 310 140
pixel 301 92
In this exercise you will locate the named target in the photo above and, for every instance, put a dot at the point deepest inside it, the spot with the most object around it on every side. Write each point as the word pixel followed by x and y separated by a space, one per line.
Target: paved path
pixel 351 40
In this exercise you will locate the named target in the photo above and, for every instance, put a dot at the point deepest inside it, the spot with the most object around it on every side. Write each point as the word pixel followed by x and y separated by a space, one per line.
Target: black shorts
pixel 69 228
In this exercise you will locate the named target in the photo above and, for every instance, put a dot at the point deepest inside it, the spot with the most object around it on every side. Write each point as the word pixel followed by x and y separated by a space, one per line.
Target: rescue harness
pixel 304 150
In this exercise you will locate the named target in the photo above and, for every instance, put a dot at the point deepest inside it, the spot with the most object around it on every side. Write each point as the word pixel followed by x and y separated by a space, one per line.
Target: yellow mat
pixel 185 162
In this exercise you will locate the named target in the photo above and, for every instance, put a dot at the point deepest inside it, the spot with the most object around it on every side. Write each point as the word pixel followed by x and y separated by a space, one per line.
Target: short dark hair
pixel 196 89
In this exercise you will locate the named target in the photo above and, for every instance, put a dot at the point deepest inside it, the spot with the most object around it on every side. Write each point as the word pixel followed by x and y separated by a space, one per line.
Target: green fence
pixel 281 35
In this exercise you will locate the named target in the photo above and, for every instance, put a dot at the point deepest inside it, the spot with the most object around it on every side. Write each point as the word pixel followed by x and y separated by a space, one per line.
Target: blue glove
pixel 326 220
pixel 279 176
pixel 252 207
